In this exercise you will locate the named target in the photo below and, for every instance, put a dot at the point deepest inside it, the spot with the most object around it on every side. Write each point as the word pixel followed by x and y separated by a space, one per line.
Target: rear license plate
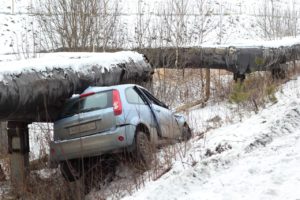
pixel 82 128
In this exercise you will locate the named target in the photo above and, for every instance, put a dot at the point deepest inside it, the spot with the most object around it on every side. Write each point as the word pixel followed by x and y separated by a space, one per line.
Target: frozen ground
pixel 257 158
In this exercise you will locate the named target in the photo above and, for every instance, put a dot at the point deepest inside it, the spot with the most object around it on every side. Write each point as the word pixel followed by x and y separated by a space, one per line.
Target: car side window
pixel 133 97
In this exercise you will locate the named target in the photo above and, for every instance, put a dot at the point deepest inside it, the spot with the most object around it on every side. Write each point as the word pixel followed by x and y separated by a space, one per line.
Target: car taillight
pixel 87 94
pixel 117 104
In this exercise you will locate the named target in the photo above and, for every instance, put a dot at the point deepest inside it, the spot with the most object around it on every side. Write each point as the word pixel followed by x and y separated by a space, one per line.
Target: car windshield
pixel 90 103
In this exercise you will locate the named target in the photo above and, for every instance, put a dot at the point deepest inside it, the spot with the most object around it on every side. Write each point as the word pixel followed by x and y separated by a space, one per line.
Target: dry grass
pixel 177 87
pixel 184 89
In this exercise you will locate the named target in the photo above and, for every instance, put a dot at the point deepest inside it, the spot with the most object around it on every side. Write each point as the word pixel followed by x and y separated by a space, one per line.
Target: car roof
pixel 100 89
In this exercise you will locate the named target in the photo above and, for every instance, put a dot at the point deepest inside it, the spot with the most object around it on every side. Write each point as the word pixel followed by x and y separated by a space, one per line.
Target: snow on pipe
pixel 35 89
pixel 239 60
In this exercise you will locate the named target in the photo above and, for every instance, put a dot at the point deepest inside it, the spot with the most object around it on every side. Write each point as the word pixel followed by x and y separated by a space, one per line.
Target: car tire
pixel 186 132
pixel 144 150
pixel 70 170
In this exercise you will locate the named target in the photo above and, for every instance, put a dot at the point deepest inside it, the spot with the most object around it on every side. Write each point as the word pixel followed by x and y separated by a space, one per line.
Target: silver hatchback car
pixel 112 119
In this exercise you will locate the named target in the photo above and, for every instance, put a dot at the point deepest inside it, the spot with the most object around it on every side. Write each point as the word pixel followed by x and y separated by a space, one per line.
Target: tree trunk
pixel 207 84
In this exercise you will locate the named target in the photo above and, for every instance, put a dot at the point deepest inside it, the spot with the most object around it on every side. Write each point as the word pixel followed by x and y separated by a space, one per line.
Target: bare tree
pixel 77 24
pixel 24 43
pixel 291 16
pixel 175 18
pixel 140 26
pixel 203 26
pixel 276 20
pixel 107 18
pixel 203 23
pixel 220 26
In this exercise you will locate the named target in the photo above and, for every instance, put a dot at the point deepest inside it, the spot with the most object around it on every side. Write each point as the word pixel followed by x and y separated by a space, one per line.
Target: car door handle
pixel 157 110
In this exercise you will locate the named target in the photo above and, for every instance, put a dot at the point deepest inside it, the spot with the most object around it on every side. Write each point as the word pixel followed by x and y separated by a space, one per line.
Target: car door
pixel 137 107
pixel 148 104
pixel 165 117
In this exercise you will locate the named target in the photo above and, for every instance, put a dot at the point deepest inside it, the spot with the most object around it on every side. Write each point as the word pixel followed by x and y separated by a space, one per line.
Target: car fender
pixel 151 127
pixel 180 120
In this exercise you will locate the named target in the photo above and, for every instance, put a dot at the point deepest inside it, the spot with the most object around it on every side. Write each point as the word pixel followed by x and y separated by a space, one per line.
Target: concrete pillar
pixel 18 148
pixel 3 138
pixel 3 147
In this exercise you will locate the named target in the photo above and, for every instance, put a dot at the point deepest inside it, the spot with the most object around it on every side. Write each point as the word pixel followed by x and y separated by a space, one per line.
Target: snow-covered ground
pixel 229 22
pixel 248 157
pixel 256 158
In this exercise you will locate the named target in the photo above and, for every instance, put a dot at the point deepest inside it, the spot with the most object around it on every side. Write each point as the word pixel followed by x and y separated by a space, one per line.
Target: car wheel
pixel 144 150
pixel 71 170
pixel 186 132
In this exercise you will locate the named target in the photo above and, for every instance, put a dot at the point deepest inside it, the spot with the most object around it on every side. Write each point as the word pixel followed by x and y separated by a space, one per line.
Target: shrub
pixel 258 89
pixel 239 94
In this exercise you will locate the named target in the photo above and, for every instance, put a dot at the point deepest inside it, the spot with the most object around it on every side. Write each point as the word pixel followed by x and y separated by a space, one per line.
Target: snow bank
pixel 76 61
pixel 255 159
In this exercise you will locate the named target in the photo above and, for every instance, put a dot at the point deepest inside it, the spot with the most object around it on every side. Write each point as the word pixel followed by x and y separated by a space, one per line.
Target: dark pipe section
pixel 239 60
pixel 39 95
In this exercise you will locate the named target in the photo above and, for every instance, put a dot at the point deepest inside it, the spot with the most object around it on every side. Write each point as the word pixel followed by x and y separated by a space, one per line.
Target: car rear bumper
pixel 93 145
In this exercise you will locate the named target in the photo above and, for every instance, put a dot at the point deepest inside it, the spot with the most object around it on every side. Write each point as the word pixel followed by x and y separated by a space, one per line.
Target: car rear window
pixel 93 102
